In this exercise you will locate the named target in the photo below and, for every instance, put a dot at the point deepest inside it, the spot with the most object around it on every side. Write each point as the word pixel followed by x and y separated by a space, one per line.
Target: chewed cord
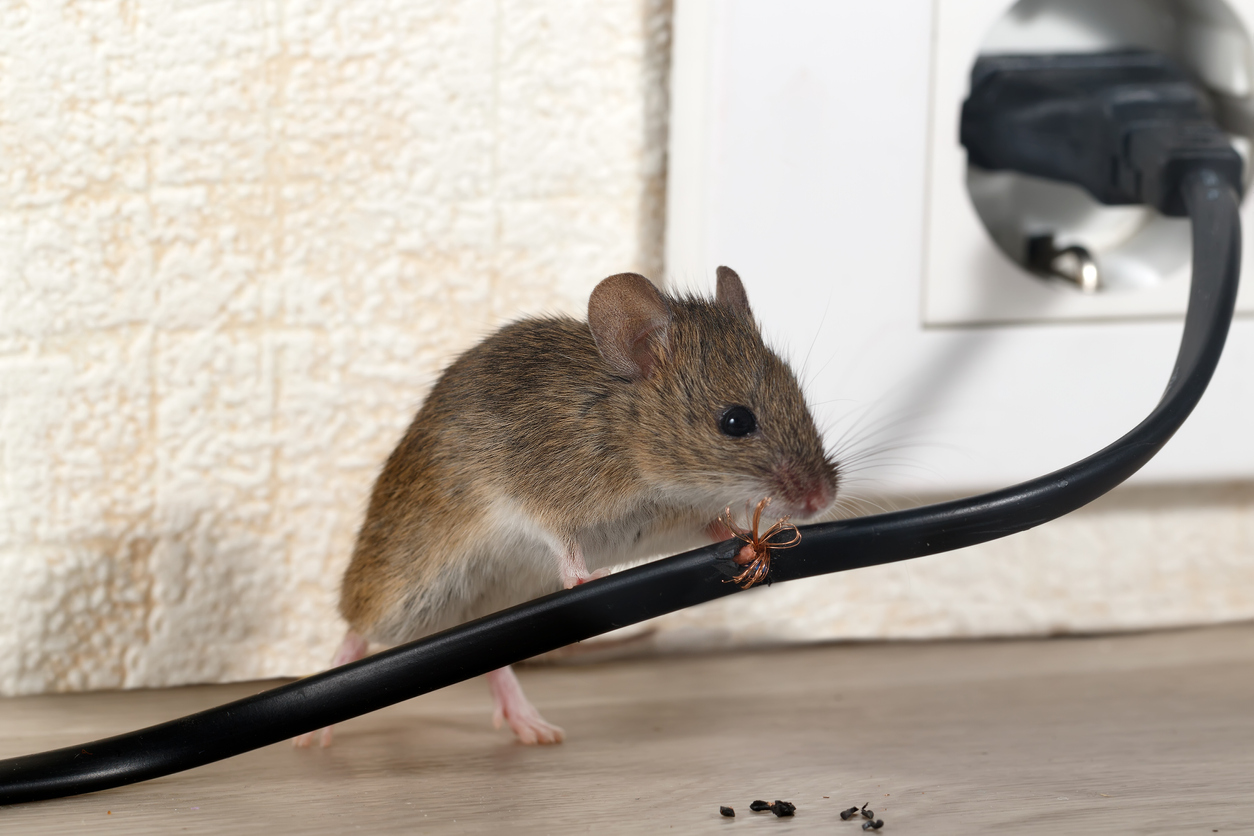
pixel 673 583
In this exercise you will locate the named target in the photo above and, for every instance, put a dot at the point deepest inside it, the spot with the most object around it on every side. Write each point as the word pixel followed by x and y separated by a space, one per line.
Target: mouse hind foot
pixel 353 647
pixel 513 707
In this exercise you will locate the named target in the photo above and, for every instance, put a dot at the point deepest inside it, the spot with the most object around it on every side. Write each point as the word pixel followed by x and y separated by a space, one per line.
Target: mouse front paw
pixel 591 576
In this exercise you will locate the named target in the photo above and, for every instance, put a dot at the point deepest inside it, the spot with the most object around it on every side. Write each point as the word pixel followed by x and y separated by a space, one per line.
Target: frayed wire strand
pixel 755 554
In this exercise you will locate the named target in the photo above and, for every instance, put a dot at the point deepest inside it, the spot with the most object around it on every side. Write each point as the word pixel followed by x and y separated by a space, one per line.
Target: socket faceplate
pixel 1144 257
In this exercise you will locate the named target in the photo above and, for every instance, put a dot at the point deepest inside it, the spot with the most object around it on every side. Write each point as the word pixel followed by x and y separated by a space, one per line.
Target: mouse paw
pixel 592 576
pixel 573 569
pixel 528 726
pixel 513 707
pixel 353 648
pixel 306 740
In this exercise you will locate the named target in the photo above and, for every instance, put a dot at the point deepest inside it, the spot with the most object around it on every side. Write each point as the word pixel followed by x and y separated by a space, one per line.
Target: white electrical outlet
pixel 814 149
pixel 1143 256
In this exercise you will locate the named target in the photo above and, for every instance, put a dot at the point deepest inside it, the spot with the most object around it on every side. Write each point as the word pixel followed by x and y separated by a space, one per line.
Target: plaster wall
pixel 238 240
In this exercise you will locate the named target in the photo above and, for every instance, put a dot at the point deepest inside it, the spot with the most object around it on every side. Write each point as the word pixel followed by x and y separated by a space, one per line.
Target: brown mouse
pixel 556 448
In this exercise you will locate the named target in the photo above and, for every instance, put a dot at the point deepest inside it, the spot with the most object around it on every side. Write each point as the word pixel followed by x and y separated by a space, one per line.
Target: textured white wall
pixel 238 239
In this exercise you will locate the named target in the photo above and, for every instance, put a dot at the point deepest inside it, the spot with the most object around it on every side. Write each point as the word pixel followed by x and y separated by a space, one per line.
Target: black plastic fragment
pixel 784 808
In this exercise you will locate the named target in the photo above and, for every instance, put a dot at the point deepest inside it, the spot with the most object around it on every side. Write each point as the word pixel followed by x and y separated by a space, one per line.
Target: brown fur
pixel 536 416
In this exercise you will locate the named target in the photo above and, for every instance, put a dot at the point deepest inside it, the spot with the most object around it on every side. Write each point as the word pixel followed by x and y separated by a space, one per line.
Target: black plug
pixel 1126 126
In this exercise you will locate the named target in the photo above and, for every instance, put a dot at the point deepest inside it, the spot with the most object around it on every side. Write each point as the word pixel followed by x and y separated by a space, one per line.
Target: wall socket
pixel 1143 257
pixel 814 149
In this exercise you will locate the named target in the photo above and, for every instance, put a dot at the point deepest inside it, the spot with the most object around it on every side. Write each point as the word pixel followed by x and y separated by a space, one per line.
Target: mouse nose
pixel 806 494
pixel 817 499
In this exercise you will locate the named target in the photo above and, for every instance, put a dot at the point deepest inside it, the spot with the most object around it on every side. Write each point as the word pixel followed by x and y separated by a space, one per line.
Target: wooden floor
pixel 1132 734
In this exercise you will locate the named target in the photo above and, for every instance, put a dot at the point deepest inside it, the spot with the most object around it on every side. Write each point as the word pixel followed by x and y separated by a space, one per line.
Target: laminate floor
pixel 1148 733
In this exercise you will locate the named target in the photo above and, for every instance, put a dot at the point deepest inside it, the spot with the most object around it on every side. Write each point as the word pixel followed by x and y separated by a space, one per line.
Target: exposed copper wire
pixel 755 554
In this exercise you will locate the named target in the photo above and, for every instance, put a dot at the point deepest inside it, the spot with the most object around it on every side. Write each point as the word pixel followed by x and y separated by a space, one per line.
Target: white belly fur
pixel 513 559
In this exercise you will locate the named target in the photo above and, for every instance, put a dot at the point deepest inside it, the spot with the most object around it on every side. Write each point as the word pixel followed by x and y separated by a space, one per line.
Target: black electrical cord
pixel 673 583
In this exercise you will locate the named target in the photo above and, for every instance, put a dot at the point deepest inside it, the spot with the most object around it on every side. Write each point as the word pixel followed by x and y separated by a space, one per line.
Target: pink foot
pixel 591 576
pixel 512 707
pixel 573 569
pixel 353 648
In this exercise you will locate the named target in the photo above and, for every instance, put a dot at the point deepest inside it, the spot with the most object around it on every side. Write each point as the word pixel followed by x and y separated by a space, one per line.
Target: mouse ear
pixel 731 293
pixel 630 321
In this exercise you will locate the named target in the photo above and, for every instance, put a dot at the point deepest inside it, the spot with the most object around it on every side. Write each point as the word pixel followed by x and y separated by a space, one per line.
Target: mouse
pixel 557 448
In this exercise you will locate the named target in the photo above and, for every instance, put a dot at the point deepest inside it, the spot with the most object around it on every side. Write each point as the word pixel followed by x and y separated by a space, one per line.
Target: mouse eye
pixel 737 421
